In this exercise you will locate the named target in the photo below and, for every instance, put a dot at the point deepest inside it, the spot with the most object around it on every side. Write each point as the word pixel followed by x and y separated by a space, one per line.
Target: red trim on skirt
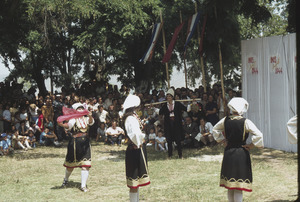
pixel 87 166
pixel 140 185
pixel 236 188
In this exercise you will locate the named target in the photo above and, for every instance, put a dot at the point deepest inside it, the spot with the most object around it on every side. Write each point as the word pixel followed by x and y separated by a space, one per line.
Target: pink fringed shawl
pixel 70 113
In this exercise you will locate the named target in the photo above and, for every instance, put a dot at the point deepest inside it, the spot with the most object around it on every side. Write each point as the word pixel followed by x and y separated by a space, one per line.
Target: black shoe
pixel 84 189
pixel 65 183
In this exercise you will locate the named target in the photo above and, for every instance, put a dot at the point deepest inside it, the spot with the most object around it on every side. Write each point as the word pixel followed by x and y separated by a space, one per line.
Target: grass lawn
pixel 36 175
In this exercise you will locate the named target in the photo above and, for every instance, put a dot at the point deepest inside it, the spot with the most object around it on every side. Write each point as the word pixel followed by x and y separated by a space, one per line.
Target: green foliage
pixel 276 25
pixel 99 38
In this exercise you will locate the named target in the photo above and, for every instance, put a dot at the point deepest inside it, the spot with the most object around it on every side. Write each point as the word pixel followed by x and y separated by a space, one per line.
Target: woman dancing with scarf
pixel 136 156
pixel 79 151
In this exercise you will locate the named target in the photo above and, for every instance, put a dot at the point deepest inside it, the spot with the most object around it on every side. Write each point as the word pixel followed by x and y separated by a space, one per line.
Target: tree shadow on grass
pixel 71 184
pixel 115 154
pixel 35 155
pixel 268 154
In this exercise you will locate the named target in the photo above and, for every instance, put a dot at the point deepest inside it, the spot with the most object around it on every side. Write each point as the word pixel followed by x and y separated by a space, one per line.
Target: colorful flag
pixel 155 33
pixel 191 28
pixel 168 54
pixel 202 36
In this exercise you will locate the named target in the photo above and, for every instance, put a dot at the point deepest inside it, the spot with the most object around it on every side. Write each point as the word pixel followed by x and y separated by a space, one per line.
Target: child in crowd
pixel 101 132
pixel 161 142
pixel 48 137
pixel 151 137
pixel 5 145
pixel 19 141
pixel 31 139
pixel 36 130
pixel 23 129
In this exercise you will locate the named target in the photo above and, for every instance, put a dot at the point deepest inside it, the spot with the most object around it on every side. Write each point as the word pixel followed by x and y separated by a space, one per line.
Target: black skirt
pixel 79 152
pixel 236 172
pixel 136 166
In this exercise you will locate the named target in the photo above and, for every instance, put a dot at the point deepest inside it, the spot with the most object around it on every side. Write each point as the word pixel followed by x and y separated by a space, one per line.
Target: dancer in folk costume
pixel 79 148
pixel 136 156
pixel 292 129
pixel 233 131
pixel 172 112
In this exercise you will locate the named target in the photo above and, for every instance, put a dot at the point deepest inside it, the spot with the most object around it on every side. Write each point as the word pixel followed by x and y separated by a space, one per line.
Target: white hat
pixel 77 105
pixel 131 101
pixel 32 106
pixel 239 105
pixel 171 92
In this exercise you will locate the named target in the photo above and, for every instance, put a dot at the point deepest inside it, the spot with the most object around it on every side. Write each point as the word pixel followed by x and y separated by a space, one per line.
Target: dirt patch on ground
pixel 208 158
pixel 102 158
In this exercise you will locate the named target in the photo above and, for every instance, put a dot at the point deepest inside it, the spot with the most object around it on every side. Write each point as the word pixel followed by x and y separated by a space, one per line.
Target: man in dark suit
pixel 190 129
pixel 172 112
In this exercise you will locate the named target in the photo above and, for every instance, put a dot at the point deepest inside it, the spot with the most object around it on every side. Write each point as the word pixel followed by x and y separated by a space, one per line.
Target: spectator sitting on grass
pixel 48 137
pixel 31 139
pixel 101 132
pixel 19 141
pixel 190 129
pixel 5 145
pixel 151 137
pixel 23 129
pixel 35 129
pixel 161 142
pixel 205 134
pixel 114 134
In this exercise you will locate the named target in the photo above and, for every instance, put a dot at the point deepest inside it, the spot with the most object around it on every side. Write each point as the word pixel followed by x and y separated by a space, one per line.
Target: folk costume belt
pixel 79 135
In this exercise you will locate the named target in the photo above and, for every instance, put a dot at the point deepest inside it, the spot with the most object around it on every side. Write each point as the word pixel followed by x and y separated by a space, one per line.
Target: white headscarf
pixel 77 105
pixel 131 101
pixel 239 105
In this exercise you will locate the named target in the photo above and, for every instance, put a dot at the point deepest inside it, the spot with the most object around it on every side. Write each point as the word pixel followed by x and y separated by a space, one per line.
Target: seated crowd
pixel 27 121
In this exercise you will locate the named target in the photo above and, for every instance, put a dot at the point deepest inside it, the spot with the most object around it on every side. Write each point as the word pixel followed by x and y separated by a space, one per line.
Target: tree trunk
pixel 141 71
pixel 37 75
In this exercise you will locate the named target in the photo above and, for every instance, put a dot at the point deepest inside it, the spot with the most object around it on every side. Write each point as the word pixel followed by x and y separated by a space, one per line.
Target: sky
pixel 3 72
pixel 176 78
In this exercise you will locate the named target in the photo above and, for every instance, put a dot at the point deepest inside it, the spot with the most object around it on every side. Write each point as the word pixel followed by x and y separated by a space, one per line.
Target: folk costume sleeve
pixel 218 130
pixel 134 132
pixel 292 129
pixel 257 136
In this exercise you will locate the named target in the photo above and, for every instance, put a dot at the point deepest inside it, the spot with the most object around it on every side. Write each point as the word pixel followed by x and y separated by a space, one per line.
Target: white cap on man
pixel 171 92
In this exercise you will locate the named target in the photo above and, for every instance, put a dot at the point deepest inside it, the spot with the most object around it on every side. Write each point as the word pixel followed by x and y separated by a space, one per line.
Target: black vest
pixel 235 131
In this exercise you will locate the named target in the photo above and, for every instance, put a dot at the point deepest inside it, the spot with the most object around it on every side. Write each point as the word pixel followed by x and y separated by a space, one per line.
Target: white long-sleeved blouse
pixel 256 138
pixel 134 131
pixel 292 130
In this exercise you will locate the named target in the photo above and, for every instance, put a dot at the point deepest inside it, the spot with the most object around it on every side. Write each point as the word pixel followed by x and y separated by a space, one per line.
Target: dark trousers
pixel 6 126
pixel 170 142
pixel 170 148
pixel 112 140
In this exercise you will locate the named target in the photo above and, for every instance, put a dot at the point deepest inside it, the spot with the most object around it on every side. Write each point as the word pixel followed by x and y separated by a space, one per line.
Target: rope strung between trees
pixel 186 100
